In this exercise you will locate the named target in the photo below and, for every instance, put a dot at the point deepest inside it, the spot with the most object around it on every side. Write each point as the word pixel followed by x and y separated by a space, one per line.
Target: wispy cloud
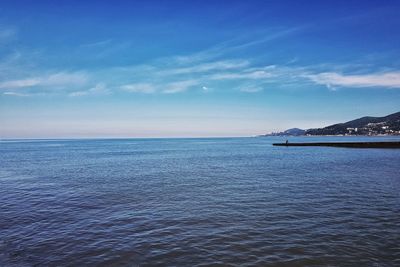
pixel 98 89
pixel 20 83
pixel 145 88
pixel 65 78
pixel 251 89
pixel 215 68
pixel 56 80
pixel 386 79
pixel 177 87
pixel 258 74
pixel 238 43
pixel 16 94
pixel 166 88
pixel 269 36
pixel 242 75
pixel 97 43
pixel 208 66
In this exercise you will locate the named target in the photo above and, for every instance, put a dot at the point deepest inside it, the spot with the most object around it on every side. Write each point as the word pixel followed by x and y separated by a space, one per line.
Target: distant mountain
pixel 363 126
pixel 388 125
pixel 294 131
pixel 289 132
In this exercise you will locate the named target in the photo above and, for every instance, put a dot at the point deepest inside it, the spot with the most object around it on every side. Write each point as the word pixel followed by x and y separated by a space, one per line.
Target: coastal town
pixel 365 126
pixel 372 129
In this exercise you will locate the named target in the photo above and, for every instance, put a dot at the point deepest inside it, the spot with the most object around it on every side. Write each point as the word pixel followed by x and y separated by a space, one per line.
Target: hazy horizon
pixel 178 69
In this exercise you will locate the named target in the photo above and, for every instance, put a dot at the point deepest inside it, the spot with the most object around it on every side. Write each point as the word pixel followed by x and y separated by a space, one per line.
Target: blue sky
pixel 194 68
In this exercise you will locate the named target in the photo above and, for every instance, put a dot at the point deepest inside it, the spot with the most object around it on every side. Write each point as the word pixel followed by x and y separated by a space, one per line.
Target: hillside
pixel 363 126
pixel 289 132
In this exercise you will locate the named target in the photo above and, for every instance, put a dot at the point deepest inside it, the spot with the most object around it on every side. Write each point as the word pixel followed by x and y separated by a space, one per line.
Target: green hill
pixel 363 126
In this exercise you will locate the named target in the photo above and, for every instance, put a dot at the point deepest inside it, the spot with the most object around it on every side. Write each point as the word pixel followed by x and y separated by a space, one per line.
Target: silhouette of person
pixel 287 141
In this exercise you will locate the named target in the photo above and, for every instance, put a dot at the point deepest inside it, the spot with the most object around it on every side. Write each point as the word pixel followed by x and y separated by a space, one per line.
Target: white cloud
pixel 167 88
pixel 211 67
pixel 145 88
pixel 15 94
pixel 97 43
pixel 251 89
pixel 239 43
pixel 269 36
pixel 14 84
pixel 253 75
pixel 78 93
pixel 177 87
pixel 206 67
pixel 64 78
pixel 98 89
pixel 332 79
pixel 57 80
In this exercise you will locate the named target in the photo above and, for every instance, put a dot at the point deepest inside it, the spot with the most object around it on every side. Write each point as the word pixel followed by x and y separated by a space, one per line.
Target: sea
pixel 198 202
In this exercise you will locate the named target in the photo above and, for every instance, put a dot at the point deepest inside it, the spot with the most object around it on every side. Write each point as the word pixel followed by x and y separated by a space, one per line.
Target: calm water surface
pixel 197 202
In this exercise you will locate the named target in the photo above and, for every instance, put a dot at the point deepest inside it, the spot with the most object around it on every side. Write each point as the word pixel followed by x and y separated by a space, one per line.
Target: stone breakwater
pixel 346 144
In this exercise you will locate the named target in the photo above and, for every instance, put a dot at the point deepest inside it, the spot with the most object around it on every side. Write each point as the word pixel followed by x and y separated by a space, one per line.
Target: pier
pixel 346 144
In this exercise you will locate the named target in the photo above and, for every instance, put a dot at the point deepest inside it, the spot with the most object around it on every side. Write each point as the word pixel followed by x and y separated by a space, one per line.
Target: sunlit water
pixel 192 202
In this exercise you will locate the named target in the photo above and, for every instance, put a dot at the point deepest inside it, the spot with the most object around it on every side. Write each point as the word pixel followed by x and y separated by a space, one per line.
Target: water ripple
pixel 219 202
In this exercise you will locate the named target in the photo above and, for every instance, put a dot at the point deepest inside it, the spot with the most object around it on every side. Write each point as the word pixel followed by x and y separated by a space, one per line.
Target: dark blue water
pixel 197 202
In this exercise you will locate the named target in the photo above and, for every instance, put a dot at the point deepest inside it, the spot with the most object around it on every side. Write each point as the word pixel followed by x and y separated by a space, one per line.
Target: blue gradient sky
pixel 205 68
